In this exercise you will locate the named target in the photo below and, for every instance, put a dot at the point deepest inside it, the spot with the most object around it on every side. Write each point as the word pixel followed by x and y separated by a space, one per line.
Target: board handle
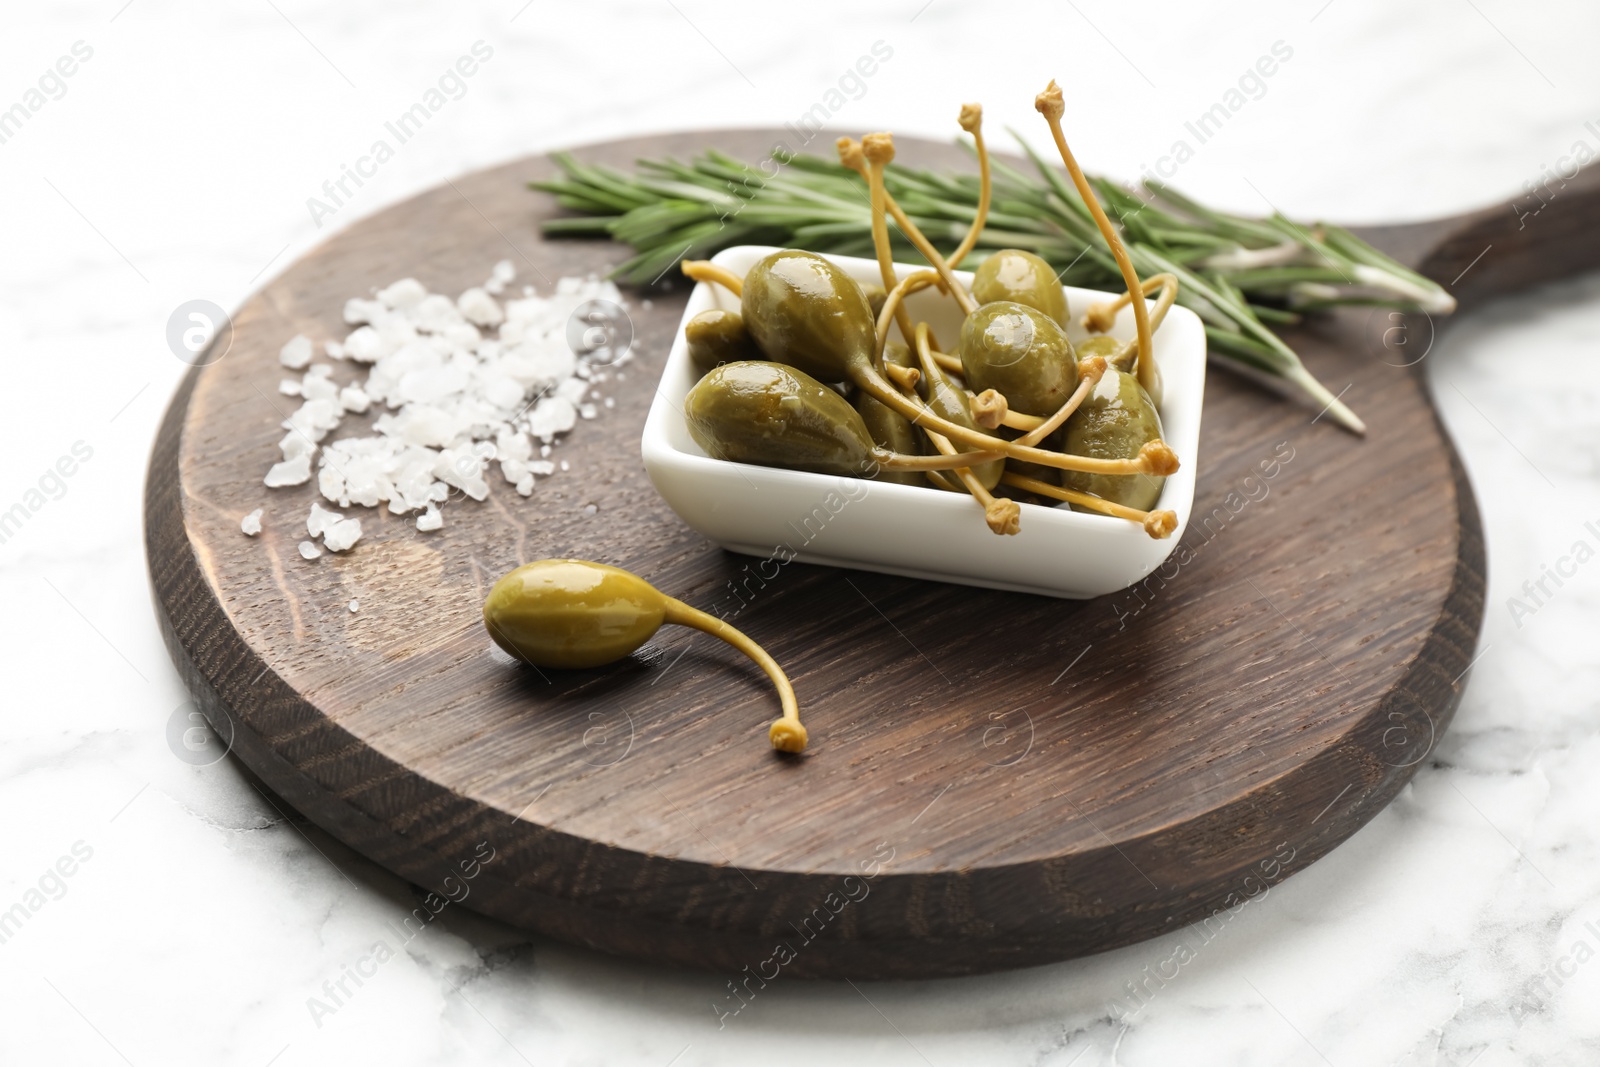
pixel 1547 232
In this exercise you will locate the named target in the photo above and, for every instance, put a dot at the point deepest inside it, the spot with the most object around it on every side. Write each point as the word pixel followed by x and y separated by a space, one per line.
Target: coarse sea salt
pixel 250 525
pixel 455 387
pixel 341 535
pixel 296 353
pixel 320 519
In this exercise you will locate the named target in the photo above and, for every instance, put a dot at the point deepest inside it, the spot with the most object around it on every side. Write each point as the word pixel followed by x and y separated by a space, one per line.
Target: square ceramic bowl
pixel 909 530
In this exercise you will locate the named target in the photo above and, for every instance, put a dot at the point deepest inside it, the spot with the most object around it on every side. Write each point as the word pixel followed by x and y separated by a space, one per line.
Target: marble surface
pixel 182 918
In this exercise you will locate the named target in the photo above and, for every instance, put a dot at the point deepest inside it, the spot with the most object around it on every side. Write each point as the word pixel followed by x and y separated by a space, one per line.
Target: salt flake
pixel 296 353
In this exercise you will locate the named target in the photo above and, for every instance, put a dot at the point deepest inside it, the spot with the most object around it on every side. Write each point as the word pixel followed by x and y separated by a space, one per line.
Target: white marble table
pixel 197 922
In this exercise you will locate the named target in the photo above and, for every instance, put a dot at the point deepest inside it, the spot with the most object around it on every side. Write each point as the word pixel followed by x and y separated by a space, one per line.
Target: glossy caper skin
pixel 1102 345
pixel 805 312
pixel 949 401
pixel 570 613
pixel 718 336
pixel 887 427
pixel 1022 353
pixel 1115 420
pixel 877 296
pixel 776 416
pixel 1022 278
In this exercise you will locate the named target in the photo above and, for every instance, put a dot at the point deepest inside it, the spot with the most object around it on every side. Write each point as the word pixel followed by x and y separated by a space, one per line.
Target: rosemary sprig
pixel 1236 273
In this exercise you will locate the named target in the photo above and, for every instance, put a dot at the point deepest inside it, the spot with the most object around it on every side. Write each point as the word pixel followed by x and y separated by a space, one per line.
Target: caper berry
pixel 1022 278
pixel 1115 421
pixel 718 336
pixel 1021 353
pixel 571 613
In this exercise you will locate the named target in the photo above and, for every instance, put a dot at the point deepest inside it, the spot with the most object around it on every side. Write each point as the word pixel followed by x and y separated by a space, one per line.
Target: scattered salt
pixel 552 415
pixel 573 390
pixel 504 271
pixel 455 385
pixel 318 387
pixel 250 525
pixel 296 353
pixel 357 311
pixel 320 519
pixel 295 471
pixel 341 535
pixel 610 402
pixel 480 309
pixel 289 387
pixel 355 606
pixel 405 293
pixel 309 550
pixel 565 465
pixel 363 345
pixel 353 400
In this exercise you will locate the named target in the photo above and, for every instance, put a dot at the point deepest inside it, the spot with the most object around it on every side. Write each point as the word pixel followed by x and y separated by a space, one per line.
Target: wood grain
pixel 1026 779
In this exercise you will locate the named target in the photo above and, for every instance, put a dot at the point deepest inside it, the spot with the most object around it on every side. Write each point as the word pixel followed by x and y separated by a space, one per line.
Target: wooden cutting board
pixel 994 780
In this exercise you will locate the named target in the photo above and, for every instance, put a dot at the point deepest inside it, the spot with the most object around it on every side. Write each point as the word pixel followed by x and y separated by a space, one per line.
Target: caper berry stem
pixel 903 377
pixel 897 461
pixel 1050 105
pixel 1158 524
pixel 1154 458
pixel 1090 372
pixel 879 151
pixel 989 408
pixel 1002 515
pixel 948 362
pixel 703 270
pixel 786 733
pixel 1016 420
pixel 972 121
pixel 893 309
pixel 1099 319
pixel 857 156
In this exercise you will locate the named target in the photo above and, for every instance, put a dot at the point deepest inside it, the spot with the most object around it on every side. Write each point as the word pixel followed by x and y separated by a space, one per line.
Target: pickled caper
pixel 1115 421
pixel 876 295
pixel 1105 347
pixel 1020 277
pixel 776 416
pixel 804 311
pixel 1020 352
pixel 718 336
pixel 571 613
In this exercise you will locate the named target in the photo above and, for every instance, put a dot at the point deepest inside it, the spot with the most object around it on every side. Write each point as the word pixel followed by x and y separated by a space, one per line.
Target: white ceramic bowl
pixel 910 530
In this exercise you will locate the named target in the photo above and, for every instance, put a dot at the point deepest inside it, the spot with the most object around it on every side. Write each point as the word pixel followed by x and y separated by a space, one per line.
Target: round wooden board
pixel 994 780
